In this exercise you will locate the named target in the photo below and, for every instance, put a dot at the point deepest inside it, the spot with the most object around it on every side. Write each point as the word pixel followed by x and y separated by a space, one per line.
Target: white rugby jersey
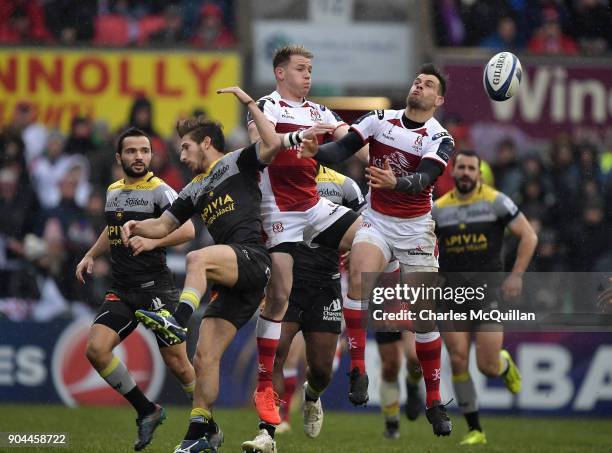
pixel 289 183
pixel 404 148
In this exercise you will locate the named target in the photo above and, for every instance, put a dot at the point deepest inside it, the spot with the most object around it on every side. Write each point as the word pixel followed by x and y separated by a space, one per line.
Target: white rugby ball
pixel 502 76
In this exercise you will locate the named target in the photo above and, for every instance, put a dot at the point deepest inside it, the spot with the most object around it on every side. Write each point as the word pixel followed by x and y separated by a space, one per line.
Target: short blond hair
pixel 282 55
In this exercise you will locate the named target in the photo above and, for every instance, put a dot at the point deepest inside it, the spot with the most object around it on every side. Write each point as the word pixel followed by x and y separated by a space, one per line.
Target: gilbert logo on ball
pixel 77 383
pixel 502 76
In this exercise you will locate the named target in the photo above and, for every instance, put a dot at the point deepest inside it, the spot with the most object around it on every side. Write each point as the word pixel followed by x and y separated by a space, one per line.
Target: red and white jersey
pixel 390 139
pixel 289 183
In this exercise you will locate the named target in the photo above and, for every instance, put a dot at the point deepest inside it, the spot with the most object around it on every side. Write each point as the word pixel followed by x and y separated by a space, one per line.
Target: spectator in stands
pixel 211 32
pixel 481 17
pixel 80 140
pixel 506 169
pixel 173 31
pixel 448 23
pixel 33 134
pixel 505 38
pixel 549 38
pixel 71 21
pixel 587 164
pixel 141 116
pixel 592 24
pixel 23 22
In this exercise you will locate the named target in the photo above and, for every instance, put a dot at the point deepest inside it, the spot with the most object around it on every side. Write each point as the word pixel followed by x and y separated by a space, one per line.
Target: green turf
pixel 103 429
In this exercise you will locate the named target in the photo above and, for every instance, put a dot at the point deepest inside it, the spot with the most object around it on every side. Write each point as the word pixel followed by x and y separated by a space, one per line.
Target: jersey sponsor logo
pixel 389 137
pixel 213 178
pixel 114 235
pixel 287 115
pixel 380 114
pixel 156 303
pixel 77 382
pixel 440 135
pixel 417 251
pixel 131 202
pixel 216 208
pixel 333 311
pixel 470 242
pixel 330 193
pixel 277 227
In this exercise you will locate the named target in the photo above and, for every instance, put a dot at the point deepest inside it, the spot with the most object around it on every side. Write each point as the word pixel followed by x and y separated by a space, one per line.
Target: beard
pixel 465 186
pixel 413 103
pixel 133 173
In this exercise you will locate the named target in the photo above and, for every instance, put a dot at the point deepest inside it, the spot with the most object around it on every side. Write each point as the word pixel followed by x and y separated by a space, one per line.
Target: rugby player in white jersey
pixel 292 209
pixel 409 149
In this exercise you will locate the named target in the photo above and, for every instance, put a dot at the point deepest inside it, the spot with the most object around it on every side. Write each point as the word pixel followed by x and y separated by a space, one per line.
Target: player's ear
pixel 439 101
pixel 279 73
pixel 118 158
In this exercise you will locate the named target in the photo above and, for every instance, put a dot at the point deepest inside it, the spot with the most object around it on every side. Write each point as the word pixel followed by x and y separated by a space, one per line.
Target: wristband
pixel 292 139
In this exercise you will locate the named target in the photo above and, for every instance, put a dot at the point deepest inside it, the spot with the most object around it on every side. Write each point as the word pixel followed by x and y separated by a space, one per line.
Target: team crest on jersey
pixel 315 115
pixel 278 227
pixel 119 213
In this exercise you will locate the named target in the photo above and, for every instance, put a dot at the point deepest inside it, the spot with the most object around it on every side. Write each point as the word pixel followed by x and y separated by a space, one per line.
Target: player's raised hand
pixel 140 244
pixel 308 148
pixel 238 92
pixel 85 265
pixel 381 178
pixel 319 129
pixel 126 231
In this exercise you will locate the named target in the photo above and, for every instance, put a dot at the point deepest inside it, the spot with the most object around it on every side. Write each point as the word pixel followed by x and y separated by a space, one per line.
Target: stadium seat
pixel 112 29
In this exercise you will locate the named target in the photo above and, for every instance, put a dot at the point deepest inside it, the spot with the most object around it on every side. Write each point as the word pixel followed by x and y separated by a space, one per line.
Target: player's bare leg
pixel 214 264
pixel 175 358
pixel 320 353
pixel 391 361
pixel 492 360
pixel 215 336
pixel 365 258
pixel 414 399
pixel 428 346
pixel 100 344
pixel 268 332
pixel 289 354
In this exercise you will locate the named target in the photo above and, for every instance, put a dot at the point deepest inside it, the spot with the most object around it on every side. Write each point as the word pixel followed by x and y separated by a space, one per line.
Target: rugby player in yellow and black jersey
pixel 470 224
pixel 226 195
pixel 141 279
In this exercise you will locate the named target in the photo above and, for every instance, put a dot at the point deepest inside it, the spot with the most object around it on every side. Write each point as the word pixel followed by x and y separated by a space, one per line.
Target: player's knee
pixel 320 375
pixel 196 259
pixel 96 353
pixel 488 366
pixel 390 369
pixel 459 362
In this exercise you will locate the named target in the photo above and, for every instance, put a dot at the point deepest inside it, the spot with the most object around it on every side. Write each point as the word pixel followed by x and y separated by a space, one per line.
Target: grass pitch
pixel 108 429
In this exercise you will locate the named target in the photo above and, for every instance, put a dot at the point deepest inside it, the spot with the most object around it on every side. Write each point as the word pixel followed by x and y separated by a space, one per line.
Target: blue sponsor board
pixel 563 373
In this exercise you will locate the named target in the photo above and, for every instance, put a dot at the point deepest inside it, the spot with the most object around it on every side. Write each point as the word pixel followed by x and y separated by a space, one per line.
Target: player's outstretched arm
pixel 86 264
pixel 150 228
pixel 363 154
pixel 333 152
pixel 270 141
pixel 185 233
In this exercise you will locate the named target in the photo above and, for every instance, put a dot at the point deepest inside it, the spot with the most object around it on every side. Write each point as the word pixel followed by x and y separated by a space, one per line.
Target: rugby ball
pixel 502 76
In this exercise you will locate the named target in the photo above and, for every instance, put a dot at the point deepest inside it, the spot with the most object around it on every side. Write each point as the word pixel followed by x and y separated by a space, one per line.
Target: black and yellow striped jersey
pixel 147 198
pixel 470 232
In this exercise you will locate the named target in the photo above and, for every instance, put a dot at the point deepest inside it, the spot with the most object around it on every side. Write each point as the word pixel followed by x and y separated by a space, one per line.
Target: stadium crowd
pixel 202 24
pixel 544 27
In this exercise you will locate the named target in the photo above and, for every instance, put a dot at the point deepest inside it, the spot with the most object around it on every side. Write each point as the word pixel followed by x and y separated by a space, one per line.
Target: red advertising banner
pixel 556 96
